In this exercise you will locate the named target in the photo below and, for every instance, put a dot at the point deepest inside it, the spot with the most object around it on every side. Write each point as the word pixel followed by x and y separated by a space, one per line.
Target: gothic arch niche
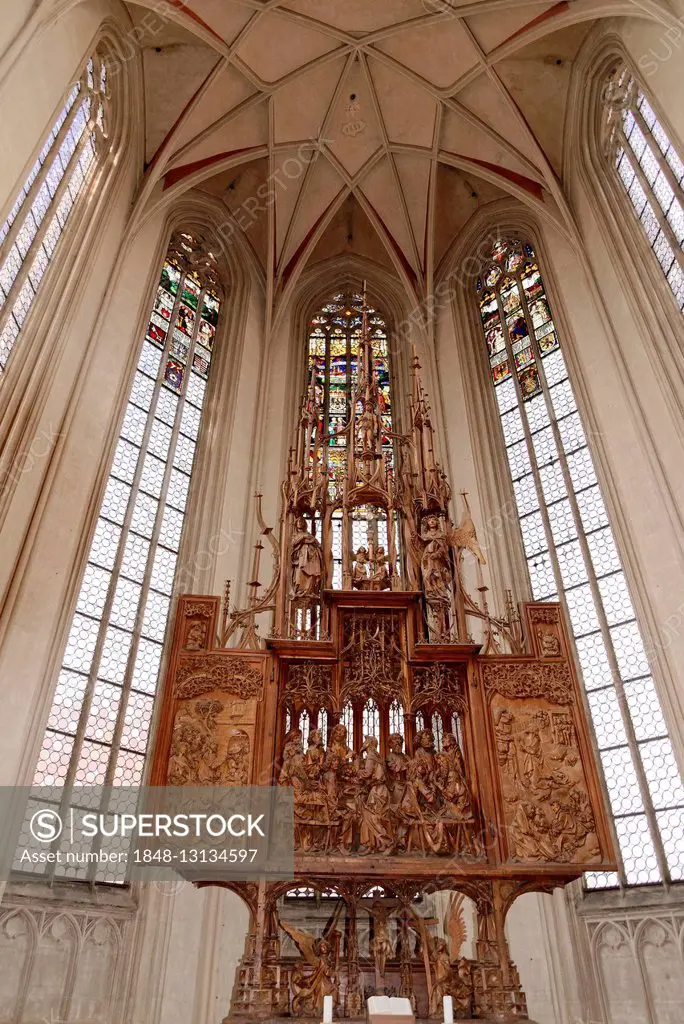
pixel 50 984
pixel 96 970
pixel 662 964
pixel 620 984
pixel 17 944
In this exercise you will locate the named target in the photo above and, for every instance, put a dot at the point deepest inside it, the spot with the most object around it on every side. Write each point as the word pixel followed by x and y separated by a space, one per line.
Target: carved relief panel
pixel 548 789
pixel 212 700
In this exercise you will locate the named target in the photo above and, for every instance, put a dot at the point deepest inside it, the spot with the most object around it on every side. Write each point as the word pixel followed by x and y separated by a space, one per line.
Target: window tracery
pixel 649 171
pixel 571 552
pixel 332 374
pixel 31 233
pixel 100 717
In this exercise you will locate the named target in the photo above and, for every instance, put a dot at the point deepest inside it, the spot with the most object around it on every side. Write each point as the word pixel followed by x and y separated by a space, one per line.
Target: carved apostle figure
pixel 293 758
pixel 307 562
pixel 374 833
pixel 420 801
pixel 302 773
pixel 443 980
pixel 397 763
pixel 451 779
pixel 337 755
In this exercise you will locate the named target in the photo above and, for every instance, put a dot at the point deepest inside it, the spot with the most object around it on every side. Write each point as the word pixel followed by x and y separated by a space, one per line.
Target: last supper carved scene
pixel 437 751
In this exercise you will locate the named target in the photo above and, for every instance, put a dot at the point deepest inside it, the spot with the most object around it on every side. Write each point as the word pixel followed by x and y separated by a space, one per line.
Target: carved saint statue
pixel 437 577
pixel 549 643
pixel 307 562
pixel 361 570
pixel 435 562
pixel 368 429
pixel 380 578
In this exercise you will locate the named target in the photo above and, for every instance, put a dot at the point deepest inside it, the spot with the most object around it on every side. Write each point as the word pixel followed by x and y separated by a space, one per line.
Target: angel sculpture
pixel 318 974
pixel 464 537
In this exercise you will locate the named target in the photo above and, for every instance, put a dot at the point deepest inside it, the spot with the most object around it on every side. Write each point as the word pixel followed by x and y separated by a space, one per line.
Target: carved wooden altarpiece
pixel 419 760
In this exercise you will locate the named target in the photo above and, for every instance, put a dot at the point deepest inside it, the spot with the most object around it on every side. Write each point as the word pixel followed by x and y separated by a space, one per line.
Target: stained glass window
pixel 99 722
pixel 30 234
pixel 332 372
pixel 650 172
pixel 572 557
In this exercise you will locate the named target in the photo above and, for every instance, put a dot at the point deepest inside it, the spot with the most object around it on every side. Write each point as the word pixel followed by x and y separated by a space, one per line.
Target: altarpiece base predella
pixel 419 760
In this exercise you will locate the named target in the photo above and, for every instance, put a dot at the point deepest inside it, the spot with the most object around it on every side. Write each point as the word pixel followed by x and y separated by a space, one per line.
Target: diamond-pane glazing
pixel 649 170
pixel 106 689
pixel 560 506
pixel 58 177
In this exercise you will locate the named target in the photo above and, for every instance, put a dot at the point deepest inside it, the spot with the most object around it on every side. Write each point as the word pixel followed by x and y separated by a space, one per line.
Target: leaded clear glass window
pixel 572 557
pixel 396 718
pixel 30 234
pixel 99 721
pixel 649 171
pixel 371 720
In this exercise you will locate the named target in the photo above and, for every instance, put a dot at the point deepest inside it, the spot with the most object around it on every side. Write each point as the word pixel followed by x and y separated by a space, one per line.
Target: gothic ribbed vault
pixel 380 126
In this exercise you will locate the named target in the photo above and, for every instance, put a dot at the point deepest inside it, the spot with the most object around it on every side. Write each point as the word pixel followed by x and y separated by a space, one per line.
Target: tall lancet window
pixel 572 556
pixel 98 726
pixel 30 235
pixel 650 172
pixel 333 371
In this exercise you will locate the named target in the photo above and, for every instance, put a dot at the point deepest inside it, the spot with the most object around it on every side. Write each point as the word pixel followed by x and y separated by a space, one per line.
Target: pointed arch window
pixel 396 718
pixel 371 719
pixel 31 233
pixel 100 717
pixel 348 722
pixel 572 556
pixel 332 372
pixel 437 730
pixel 650 172
pixel 323 726
pixel 304 728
